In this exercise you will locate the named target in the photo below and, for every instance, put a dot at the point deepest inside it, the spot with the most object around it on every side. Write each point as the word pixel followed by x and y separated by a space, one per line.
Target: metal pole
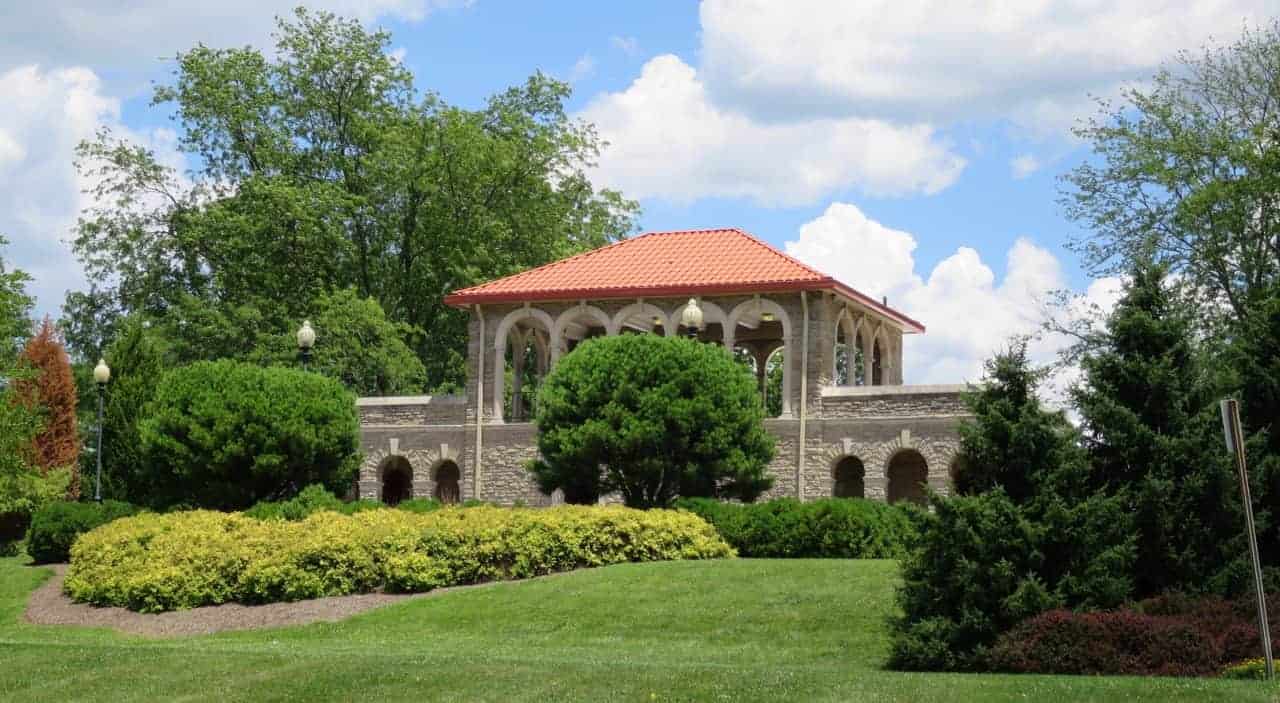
pixel 97 489
pixel 1235 444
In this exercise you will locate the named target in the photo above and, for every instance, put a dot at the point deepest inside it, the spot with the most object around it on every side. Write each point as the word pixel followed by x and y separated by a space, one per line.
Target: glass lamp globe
pixel 691 316
pixel 102 372
pixel 306 335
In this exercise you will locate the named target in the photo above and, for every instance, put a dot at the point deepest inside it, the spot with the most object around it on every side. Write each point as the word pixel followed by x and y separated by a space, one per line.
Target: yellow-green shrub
pixel 156 562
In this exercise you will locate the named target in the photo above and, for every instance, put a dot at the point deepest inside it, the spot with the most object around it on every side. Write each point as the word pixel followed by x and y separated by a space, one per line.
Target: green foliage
pixel 23 489
pixel 321 169
pixel 309 500
pixel 1153 434
pixel 1012 442
pixel 55 527
pixel 225 435
pixel 137 363
pixel 1026 535
pixel 154 562
pixel 15 310
pixel 1185 170
pixel 834 528
pixel 653 418
pixel 1254 354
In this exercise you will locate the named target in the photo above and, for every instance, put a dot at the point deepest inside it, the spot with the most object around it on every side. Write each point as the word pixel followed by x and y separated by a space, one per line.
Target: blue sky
pixel 910 148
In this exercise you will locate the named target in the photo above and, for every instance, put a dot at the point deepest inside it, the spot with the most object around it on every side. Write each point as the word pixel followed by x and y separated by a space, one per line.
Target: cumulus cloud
pixel 937 60
pixel 40 191
pixel 969 312
pixel 669 140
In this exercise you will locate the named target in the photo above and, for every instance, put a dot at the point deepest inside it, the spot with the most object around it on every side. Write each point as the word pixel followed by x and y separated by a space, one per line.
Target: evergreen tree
pixel 136 366
pixel 1154 438
pixel 51 388
pixel 1254 355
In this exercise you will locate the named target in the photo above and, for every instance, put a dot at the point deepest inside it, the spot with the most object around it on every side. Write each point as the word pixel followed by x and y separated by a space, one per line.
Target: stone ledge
pixel 891 391
pixel 401 400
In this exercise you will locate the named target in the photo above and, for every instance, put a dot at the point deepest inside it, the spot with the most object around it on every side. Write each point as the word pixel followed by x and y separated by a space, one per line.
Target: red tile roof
pixel 689 262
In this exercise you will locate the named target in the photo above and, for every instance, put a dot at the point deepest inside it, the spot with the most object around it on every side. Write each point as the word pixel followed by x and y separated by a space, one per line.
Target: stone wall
pixel 413 410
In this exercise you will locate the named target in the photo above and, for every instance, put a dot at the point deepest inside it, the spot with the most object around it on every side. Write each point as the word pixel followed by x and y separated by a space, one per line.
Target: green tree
pixel 653 418
pixel 15 309
pixel 1153 435
pixel 23 488
pixel 322 169
pixel 1188 171
pixel 1026 534
pixel 137 363
pixel 1254 356
pixel 225 435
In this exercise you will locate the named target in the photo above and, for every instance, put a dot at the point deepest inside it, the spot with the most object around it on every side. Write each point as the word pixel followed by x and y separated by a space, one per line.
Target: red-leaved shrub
pixel 1169 635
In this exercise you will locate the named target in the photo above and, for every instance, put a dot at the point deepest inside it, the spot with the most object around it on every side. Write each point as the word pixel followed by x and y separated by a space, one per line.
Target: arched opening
pixel 397 480
pixel 877 374
pixel 848 365
pixel 523 344
pixel 849 476
pixel 447 478
pixel 908 472
pixel 641 318
pixel 774 368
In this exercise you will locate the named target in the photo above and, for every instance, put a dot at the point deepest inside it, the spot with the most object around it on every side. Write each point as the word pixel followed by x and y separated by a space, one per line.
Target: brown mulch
pixel 50 606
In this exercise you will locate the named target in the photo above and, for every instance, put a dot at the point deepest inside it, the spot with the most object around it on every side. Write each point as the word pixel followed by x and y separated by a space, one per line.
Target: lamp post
pixel 691 318
pixel 101 374
pixel 306 340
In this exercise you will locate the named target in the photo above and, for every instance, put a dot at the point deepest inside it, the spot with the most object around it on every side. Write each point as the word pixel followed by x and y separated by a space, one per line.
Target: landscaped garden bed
pixel 159 562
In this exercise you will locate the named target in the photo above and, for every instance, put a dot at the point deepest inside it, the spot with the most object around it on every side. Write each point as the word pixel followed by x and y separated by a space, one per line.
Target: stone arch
pixel 395 480
pixel 500 341
pixel 848 476
pixel 446 479
pixel 766 305
pixel 648 310
pixel 577 312
pixel 907 472
pixel 369 476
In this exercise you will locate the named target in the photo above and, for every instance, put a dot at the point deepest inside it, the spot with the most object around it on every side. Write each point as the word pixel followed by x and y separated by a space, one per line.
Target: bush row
pixel 153 563
pixel 55 527
pixel 316 498
pixel 1164 636
pixel 835 528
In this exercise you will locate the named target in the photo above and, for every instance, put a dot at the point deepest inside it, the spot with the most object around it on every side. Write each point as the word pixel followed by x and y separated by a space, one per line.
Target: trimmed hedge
pixel 1170 635
pixel 833 528
pixel 153 563
pixel 55 527
pixel 310 500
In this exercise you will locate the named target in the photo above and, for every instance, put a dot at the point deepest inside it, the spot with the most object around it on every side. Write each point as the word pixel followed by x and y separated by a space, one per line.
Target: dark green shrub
pixel 835 528
pixel 420 505
pixel 311 499
pixel 55 527
pixel 225 435
pixel 652 418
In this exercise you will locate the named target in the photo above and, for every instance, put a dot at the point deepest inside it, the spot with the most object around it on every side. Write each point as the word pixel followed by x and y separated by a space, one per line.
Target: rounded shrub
pixel 652 418
pixel 224 434
pixel 156 562
pixel 55 527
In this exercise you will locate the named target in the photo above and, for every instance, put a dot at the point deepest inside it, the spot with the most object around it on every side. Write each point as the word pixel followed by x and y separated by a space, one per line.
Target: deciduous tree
pixel 51 389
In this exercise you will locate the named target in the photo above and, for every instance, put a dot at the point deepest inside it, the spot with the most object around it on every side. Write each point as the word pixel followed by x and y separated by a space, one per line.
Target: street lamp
pixel 691 318
pixel 101 374
pixel 306 340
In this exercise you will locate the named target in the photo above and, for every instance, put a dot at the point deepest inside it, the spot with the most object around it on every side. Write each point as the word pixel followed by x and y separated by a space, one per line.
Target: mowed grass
pixel 808 630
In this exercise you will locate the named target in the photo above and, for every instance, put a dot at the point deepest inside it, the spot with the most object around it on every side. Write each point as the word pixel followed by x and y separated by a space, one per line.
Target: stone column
pixel 517 378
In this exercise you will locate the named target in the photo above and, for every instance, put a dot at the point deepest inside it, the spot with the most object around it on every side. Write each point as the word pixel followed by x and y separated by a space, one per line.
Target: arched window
pixel 849 475
pixel 447 478
pixel 907 474
pixel 397 480
pixel 877 375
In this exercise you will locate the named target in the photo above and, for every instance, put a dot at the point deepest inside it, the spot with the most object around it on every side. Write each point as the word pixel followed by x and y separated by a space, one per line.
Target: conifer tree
pixel 1154 437
pixel 52 389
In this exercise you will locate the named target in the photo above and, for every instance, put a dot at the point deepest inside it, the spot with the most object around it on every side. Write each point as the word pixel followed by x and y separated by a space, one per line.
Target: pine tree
pixel 52 389
pixel 1153 436
pixel 136 366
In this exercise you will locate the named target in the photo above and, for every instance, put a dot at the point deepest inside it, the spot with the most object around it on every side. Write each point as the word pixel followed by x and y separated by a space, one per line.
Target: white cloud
pixel 668 140
pixel 582 68
pixel 40 191
pixel 1024 165
pixel 136 38
pixel 969 314
pixel 940 61
pixel 628 45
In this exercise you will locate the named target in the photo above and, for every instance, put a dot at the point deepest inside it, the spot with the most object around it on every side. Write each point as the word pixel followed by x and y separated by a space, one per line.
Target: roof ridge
pixel 780 253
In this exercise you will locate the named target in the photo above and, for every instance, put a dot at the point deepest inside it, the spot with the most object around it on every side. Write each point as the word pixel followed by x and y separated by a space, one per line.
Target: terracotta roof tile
pixel 687 262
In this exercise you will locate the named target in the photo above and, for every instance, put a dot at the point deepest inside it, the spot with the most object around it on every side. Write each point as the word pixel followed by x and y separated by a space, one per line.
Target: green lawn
pixel 726 630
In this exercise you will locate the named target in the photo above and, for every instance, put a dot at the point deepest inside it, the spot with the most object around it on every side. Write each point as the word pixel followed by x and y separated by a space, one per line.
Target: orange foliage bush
pixel 53 389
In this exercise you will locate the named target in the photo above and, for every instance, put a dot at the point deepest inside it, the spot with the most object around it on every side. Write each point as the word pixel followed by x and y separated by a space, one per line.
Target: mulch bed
pixel 50 606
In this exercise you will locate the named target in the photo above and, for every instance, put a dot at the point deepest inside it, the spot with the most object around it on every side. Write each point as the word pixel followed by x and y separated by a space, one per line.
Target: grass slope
pixel 724 630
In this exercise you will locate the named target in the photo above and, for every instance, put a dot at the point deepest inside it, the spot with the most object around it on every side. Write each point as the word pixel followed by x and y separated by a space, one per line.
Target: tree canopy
pixel 320 168
pixel 50 390
pixel 15 309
